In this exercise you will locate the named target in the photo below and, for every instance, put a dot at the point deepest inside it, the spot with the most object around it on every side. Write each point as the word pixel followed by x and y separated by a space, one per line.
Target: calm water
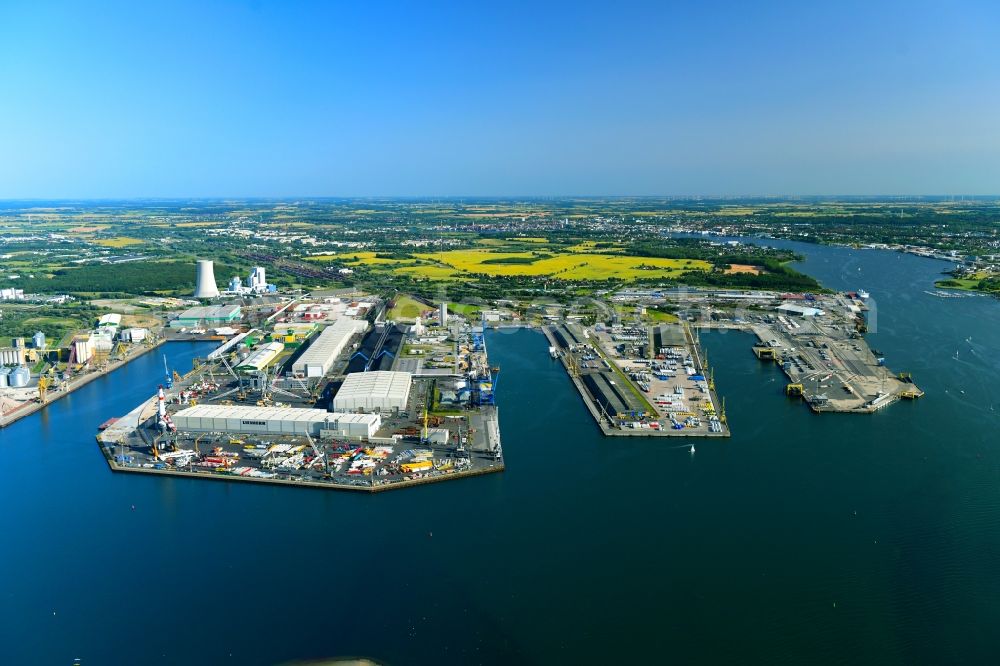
pixel 870 539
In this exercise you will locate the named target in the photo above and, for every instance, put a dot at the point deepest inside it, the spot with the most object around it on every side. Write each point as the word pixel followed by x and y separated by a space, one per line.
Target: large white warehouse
pixel 318 358
pixel 380 390
pixel 799 311
pixel 275 421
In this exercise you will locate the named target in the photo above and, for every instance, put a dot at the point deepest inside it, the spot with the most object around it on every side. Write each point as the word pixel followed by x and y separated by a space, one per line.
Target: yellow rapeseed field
pixel 430 271
pixel 358 258
pixel 570 266
pixel 118 241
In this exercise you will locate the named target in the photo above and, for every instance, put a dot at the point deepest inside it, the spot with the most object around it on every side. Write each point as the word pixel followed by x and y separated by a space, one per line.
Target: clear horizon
pixel 258 99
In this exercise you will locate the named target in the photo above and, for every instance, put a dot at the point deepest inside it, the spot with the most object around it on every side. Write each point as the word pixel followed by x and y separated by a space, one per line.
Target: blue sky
pixel 135 99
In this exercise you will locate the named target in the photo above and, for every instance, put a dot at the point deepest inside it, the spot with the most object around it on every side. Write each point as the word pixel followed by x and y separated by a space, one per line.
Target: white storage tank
pixel 4 374
pixel 38 340
pixel 19 377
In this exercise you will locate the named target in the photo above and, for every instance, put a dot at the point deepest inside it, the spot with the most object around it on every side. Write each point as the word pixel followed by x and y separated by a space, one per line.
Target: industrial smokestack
pixel 205 286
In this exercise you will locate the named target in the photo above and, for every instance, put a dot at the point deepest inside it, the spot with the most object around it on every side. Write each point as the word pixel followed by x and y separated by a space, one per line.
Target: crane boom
pixel 168 379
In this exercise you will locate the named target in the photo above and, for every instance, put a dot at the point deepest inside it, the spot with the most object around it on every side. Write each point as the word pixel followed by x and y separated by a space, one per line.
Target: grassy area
pixel 406 308
pixel 662 317
pixel 963 284
pixel 464 309
pixel 430 272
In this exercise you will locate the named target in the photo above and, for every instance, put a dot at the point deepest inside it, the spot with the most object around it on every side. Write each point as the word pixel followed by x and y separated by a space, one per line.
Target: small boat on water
pixel 692 449
pixel 863 295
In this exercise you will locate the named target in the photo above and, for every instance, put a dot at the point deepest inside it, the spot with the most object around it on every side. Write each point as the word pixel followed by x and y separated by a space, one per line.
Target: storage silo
pixel 19 377
pixel 205 286
pixel 4 374
pixel 38 340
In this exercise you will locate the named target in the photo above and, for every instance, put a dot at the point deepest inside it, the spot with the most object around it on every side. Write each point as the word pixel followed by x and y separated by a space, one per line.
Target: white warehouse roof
pixel 274 420
pixel 319 356
pixel 260 413
pixel 110 319
pixel 379 390
pixel 800 311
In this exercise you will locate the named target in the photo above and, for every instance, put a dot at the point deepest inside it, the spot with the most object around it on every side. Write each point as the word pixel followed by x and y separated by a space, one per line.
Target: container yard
pixel 343 411
pixel 641 381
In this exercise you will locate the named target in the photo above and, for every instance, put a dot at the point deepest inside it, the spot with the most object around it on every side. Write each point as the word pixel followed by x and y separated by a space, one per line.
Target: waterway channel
pixel 802 539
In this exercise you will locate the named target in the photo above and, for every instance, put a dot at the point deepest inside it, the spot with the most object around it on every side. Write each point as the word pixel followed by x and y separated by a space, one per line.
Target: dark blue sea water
pixel 802 539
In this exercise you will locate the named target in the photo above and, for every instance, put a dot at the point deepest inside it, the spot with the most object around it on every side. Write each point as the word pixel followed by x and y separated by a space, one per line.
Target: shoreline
pixel 317 485
pixel 33 407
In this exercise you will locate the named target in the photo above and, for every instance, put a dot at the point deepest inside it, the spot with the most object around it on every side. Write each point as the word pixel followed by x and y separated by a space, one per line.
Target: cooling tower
pixel 205 286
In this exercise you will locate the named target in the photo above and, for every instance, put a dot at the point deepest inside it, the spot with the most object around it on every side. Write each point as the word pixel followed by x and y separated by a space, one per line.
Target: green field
pixel 406 308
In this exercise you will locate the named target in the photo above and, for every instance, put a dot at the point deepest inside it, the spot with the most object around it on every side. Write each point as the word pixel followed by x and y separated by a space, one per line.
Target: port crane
pixel 319 455
pixel 168 379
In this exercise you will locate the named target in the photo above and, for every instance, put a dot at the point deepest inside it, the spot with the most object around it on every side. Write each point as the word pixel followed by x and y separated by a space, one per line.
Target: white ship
pixel 863 295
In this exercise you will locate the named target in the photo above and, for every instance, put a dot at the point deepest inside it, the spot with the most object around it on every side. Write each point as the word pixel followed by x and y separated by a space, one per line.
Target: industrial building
pixel 12 356
pixel 83 348
pixel 380 390
pixel 15 377
pixel 261 357
pixel 207 316
pixel 133 334
pixel 257 283
pixel 293 331
pixel 799 310
pixel 318 358
pixel 275 421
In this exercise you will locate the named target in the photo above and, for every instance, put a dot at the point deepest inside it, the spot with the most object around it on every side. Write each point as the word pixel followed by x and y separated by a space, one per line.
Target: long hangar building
pixel 319 356
pixel 276 421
